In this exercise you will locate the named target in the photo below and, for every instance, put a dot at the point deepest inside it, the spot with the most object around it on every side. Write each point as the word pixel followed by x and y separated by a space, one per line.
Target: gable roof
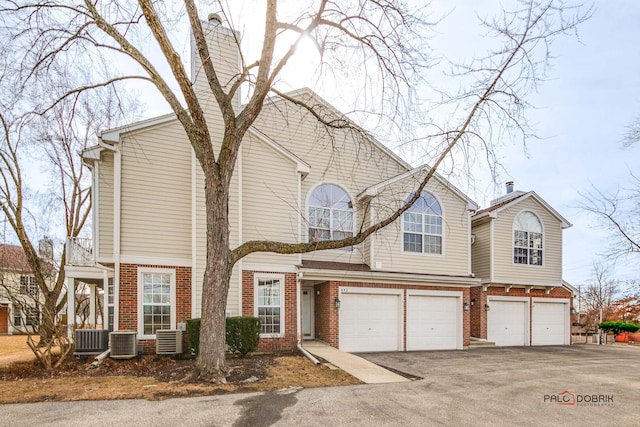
pixel 492 211
pixel 302 166
pixel 373 190
pixel 500 204
pixel 305 91
pixel 113 135
pixel 13 258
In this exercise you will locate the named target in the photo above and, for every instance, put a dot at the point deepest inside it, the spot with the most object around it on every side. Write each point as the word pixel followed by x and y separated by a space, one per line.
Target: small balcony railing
pixel 80 251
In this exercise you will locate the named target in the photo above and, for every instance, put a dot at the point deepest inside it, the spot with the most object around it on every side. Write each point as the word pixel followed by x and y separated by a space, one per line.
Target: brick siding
pixel 128 302
pixel 289 341
pixel 327 316
pixel 479 312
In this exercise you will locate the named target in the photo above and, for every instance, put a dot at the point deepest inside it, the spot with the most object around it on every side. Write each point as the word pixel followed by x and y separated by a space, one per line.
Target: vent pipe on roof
pixel 214 19
pixel 509 185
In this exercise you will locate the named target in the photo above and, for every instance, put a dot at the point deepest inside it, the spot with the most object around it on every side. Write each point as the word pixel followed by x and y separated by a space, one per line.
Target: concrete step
pixel 480 343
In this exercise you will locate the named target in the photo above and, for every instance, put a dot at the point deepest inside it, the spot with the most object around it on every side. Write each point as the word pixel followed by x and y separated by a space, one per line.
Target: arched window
pixel 527 239
pixel 422 225
pixel 330 213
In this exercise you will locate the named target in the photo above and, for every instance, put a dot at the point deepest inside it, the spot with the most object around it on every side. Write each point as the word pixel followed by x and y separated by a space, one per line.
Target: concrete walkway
pixel 362 369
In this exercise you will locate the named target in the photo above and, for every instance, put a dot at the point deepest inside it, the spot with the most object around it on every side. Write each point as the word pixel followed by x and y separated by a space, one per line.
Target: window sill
pixel 146 337
pixel 527 265
pixel 421 254
pixel 271 335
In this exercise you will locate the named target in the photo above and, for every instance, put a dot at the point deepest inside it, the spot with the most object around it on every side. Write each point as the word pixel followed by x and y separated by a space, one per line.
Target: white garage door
pixel 433 322
pixel 369 322
pixel 507 322
pixel 549 324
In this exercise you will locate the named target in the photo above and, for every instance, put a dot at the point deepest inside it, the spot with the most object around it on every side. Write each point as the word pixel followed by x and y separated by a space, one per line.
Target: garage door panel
pixel 548 323
pixel 432 322
pixel 369 322
pixel 507 323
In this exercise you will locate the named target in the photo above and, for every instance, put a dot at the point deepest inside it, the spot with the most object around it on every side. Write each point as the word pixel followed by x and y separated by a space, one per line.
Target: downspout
pixel 307 354
pixel 194 241
pixel 240 170
pixel 117 190
pixel 301 215
pixel 299 322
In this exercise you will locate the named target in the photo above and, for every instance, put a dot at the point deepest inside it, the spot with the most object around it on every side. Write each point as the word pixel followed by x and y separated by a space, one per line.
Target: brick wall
pixel 289 341
pixel 128 293
pixel 326 314
pixel 479 313
pixel 477 302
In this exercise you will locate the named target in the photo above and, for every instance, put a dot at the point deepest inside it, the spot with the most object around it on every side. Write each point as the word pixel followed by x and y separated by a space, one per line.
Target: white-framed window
pixel 330 213
pixel 28 286
pixel 110 304
pixel 269 304
pixel 527 239
pixel 156 300
pixel 17 316
pixel 31 316
pixel 422 225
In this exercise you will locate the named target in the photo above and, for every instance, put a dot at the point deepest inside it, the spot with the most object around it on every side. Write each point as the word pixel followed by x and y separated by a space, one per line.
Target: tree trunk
pixel 46 326
pixel 211 358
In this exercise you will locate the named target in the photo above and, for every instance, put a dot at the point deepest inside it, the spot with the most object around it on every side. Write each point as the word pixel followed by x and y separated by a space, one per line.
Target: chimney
pixel 45 248
pixel 509 186
pixel 225 56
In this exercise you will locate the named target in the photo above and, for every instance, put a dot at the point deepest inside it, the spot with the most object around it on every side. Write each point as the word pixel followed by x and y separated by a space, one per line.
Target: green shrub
pixel 243 334
pixel 618 327
pixel 193 333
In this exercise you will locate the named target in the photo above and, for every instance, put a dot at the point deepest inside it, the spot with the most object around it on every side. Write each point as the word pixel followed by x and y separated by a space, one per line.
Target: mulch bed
pixel 162 368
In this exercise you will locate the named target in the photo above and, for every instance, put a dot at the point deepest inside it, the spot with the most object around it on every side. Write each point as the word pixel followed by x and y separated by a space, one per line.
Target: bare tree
pixel 18 285
pixel 632 135
pixel 49 138
pixel 618 214
pixel 83 306
pixel 383 37
pixel 599 294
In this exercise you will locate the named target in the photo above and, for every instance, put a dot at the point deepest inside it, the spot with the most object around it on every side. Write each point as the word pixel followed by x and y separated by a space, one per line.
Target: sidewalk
pixel 362 369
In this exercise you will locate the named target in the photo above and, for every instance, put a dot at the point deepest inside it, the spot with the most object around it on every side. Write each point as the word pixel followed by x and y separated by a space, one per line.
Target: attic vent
pixel 214 19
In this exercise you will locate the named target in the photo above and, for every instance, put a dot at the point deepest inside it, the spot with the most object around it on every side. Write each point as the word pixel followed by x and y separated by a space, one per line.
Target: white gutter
pixel 387 277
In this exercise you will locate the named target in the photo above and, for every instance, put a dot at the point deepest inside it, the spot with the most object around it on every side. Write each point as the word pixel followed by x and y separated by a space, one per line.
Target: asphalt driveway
pixel 544 362
pixel 486 387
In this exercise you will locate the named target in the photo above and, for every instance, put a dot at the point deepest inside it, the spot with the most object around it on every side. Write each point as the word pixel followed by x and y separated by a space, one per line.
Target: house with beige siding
pixel 407 287
pixel 20 296
pixel 517 253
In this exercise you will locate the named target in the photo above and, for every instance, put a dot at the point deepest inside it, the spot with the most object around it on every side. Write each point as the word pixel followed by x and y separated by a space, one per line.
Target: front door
pixel 307 313
pixel 4 319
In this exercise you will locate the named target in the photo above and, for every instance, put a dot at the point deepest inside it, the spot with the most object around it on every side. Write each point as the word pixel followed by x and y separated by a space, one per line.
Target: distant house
pixel 425 282
pixel 19 294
